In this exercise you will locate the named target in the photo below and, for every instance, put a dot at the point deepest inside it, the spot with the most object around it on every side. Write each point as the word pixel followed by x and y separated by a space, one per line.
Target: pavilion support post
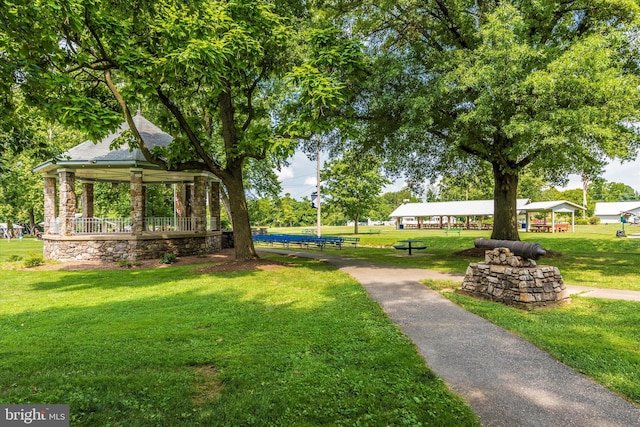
pixel 68 201
pixel 214 205
pixel 86 200
pixel 50 192
pixel 199 211
pixel 137 201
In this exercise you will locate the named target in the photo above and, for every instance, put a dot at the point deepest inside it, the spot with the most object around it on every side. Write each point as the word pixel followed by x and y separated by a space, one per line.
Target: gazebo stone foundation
pixel 513 280
pixel 113 248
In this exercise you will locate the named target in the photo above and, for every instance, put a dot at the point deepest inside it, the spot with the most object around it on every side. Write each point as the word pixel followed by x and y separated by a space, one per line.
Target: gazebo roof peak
pixel 96 161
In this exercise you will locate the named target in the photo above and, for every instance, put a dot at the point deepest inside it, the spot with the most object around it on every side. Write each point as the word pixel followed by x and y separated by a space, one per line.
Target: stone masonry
pixel 513 280
pixel 128 247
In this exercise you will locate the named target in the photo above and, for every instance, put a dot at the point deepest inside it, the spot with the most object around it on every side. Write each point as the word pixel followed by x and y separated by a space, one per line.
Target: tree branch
pixel 184 125
pixel 132 126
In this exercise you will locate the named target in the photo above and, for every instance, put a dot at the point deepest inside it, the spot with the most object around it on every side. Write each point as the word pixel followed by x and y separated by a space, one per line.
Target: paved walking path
pixel 506 380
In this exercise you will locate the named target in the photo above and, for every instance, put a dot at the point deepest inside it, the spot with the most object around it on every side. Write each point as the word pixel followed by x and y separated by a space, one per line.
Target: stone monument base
pixel 513 280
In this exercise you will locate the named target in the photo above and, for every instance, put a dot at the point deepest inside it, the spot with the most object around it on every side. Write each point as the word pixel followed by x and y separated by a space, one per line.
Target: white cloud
pixel 285 173
pixel 627 173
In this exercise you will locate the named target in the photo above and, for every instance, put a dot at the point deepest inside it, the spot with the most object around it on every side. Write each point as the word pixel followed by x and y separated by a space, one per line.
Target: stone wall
pixel 100 248
pixel 512 280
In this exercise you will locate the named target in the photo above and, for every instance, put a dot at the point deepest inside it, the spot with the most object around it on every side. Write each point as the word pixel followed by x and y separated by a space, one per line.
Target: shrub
pixel 594 220
pixel 168 258
pixel 14 258
pixel 33 260
pixel 124 263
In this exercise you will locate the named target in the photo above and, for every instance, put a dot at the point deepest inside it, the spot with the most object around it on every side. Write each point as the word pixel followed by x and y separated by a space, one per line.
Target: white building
pixel 610 212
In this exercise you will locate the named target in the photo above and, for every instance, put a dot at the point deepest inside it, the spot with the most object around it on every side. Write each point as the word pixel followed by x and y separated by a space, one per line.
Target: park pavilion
pixel 446 214
pixel 550 208
pixel 73 235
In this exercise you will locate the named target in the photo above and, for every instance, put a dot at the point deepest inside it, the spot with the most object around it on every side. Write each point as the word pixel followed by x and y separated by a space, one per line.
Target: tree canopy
pixel 353 183
pixel 548 86
pixel 215 74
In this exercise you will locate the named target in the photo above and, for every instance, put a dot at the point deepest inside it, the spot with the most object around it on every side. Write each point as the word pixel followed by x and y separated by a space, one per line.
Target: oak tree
pixel 213 73
pixel 546 86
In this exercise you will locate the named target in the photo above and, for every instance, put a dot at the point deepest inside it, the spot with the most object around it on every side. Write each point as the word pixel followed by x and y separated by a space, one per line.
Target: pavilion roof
pixel 460 208
pixel 552 206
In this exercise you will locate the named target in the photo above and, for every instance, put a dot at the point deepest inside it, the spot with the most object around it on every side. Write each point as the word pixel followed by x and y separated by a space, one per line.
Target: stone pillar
pixel 67 201
pixel 188 201
pixel 144 201
pixel 137 201
pixel 214 203
pixel 87 200
pixel 49 203
pixel 199 211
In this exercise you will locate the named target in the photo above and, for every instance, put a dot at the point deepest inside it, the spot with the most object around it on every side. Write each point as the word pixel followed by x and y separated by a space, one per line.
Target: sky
pixel 299 179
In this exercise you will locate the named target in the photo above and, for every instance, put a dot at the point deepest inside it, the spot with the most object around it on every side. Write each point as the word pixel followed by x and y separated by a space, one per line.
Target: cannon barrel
pixel 523 249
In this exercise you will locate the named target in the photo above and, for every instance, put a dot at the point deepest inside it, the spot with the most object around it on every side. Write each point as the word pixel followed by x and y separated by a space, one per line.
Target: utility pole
pixel 319 221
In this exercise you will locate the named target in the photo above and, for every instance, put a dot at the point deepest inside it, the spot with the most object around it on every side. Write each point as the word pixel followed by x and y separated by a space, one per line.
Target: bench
pixel 353 240
pixel 338 241
pixel 452 230
pixel 289 239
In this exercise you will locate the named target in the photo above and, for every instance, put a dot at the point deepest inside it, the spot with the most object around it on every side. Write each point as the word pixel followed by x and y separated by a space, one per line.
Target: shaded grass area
pixel 301 345
pixel 597 337
pixel 592 256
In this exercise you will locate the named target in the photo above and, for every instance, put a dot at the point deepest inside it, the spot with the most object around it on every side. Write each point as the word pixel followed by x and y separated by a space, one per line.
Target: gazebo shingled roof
pixel 94 162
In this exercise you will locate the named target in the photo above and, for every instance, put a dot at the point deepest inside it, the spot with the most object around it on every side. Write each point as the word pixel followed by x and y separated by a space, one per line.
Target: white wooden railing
pixel 123 225
pixel 101 225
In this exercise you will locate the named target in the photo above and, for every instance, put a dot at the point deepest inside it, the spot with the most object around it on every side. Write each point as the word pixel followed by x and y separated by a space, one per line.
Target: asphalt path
pixel 506 380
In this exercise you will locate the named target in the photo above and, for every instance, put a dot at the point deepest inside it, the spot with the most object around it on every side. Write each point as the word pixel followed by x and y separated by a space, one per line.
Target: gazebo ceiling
pixel 97 162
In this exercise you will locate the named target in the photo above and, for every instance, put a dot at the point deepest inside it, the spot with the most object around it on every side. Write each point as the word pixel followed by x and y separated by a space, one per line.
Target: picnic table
pixel 410 245
pixel 544 228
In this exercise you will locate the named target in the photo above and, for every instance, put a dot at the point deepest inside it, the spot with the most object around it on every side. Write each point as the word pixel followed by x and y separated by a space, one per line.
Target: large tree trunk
pixel 242 238
pixel 355 225
pixel 505 214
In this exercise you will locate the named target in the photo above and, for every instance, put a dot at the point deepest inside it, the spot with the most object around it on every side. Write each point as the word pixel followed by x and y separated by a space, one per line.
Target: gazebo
pixel 69 235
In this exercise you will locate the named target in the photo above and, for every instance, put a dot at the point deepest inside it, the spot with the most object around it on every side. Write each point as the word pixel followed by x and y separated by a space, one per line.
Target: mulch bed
pixel 224 262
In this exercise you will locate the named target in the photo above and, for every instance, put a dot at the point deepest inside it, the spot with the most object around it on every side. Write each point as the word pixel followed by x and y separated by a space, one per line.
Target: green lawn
pixel 592 256
pixel 302 345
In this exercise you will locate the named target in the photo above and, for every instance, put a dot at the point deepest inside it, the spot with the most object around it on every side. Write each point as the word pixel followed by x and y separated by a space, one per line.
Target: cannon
pixel 523 249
